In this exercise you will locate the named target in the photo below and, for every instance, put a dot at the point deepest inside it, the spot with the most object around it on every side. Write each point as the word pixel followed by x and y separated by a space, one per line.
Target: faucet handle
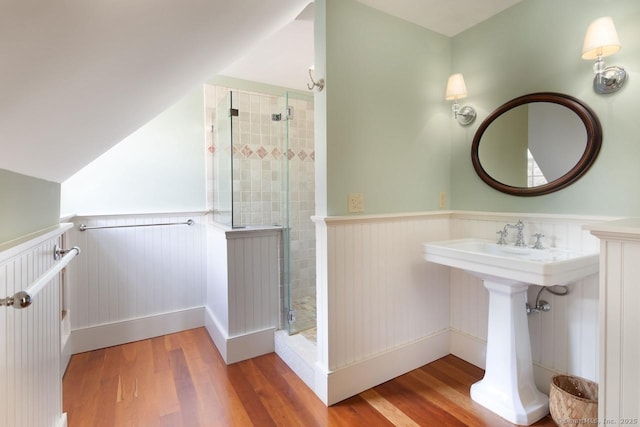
pixel 538 243
pixel 503 234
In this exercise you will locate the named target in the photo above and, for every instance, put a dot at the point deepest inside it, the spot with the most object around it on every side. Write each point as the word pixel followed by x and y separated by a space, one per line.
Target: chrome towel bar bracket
pixel 58 252
pixel 23 299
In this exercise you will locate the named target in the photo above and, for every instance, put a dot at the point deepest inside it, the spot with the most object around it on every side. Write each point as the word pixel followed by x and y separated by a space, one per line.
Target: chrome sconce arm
pixel 465 115
pixel 600 41
pixel 608 79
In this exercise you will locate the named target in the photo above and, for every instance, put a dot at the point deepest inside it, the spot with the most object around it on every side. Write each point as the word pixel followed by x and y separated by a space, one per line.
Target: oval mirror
pixel 536 144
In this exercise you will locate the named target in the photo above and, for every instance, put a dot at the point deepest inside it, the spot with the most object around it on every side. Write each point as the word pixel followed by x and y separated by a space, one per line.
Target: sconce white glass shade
pixel 601 39
pixel 456 89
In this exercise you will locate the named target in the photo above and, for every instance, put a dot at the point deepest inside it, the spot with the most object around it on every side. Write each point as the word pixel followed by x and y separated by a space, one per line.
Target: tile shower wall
pixel 259 163
pixel 260 156
pixel 302 200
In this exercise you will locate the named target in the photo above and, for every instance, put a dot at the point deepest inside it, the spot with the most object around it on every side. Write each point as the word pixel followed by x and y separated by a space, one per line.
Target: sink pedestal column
pixel 508 388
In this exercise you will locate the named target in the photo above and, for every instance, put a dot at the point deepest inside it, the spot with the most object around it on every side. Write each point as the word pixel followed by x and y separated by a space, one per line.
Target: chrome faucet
pixel 520 236
pixel 503 236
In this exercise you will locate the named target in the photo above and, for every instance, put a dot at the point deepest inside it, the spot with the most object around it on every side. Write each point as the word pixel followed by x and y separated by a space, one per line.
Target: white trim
pixel 357 219
pixel 130 214
pixel 252 344
pixel 353 379
pixel 107 335
pixel 540 217
pixel 468 348
pixel 240 347
pixel 452 214
pixel 216 332
pixel 299 354
pixel 245 233
pixel 15 247
pixel 625 229
pixel 62 420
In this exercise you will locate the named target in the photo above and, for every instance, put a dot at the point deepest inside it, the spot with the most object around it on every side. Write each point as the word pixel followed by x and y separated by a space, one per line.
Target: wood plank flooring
pixel 181 380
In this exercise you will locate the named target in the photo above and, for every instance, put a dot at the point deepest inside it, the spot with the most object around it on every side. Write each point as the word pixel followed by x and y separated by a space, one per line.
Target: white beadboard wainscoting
pixel 618 392
pixel 383 310
pixel 244 277
pixel 134 283
pixel 30 341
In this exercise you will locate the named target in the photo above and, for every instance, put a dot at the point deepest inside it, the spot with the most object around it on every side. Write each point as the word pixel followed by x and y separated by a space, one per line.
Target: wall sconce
pixel 319 84
pixel 456 89
pixel 602 40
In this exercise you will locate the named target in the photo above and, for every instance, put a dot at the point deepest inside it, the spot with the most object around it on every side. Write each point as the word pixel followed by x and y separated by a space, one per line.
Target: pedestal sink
pixel 508 388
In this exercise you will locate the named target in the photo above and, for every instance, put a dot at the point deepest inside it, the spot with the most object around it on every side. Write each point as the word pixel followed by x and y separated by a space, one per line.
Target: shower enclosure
pixel 261 174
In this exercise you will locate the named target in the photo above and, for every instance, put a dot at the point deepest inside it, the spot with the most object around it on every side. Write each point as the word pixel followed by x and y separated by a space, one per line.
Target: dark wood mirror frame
pixel 594 141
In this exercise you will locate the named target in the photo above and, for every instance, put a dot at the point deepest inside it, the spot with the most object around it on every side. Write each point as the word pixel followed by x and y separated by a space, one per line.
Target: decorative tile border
pixel 264 152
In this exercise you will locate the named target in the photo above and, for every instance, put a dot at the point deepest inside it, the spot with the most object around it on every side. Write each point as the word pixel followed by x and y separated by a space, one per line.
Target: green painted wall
pixel 232 82
pixel 389 133
pixel 387 124
pixel 535 46
pixel 27 205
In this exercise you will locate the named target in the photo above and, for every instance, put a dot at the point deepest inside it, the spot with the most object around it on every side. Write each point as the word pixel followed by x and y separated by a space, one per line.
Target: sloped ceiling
pixel 282 59
pixel 78 76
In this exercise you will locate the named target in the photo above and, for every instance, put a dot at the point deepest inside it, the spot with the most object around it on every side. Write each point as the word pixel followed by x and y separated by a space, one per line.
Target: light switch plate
pixel 355 202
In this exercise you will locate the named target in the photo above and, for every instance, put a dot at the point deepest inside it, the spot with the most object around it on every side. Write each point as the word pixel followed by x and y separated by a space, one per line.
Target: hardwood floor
pixel 181 380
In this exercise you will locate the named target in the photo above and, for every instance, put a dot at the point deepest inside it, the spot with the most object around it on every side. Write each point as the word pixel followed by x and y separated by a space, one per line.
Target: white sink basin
pixel 507 263
pixel 508 387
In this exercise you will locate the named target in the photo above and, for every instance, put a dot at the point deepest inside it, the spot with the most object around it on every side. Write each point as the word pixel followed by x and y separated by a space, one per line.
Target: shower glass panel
pixel 301 286
pixel 259 161
pixel 221 160
pixel 262 173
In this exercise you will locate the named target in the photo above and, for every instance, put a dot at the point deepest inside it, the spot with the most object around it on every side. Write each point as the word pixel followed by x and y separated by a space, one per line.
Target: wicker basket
pixel 573 401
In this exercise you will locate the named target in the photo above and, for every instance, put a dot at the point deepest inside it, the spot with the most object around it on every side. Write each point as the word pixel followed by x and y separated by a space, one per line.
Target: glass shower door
pixel 300 257
pixel 221 158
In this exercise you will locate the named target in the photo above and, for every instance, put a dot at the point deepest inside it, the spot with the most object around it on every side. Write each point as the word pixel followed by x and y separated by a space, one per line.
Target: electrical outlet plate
pixel 442 200
pixel 355 202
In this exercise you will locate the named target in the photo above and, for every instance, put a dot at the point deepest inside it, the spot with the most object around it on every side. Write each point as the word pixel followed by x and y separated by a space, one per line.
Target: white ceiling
pixel 448 17
pixel 283 59
pixel 78 76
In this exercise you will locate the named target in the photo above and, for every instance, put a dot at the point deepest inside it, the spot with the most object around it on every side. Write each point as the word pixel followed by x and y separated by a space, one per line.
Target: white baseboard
pixel 542 376
pixel 62 421
pixel 299 354
pixel 65 334
pixel 216 332
pixel 351 380
pixel 107 335
pixel 240 347
pixel 65 356
pixel 469 348
pixel 474 350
